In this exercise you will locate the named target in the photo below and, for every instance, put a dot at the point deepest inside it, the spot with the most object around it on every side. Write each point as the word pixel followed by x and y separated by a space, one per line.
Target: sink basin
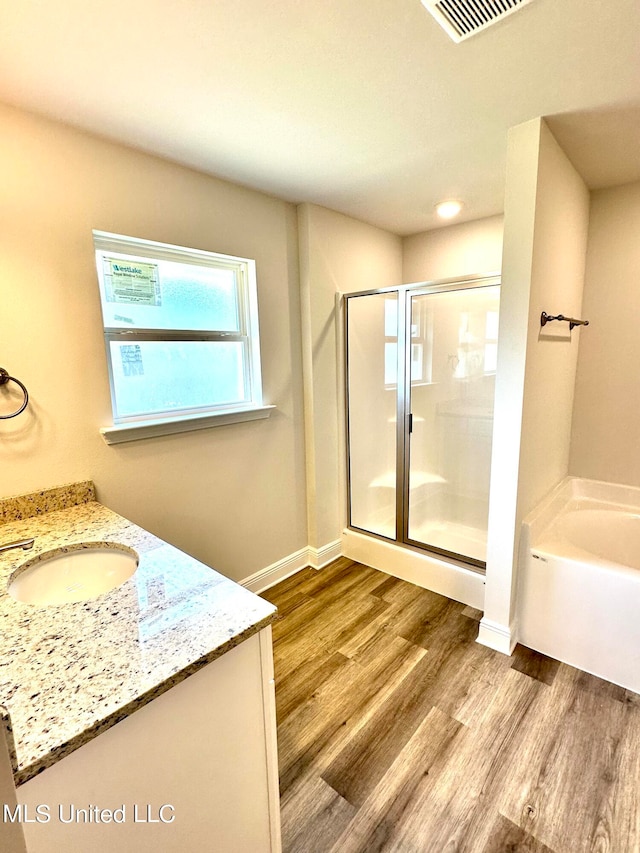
pixel 78 574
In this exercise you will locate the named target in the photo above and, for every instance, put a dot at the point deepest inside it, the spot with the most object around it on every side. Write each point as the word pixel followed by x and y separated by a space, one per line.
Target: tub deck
pixel 579 581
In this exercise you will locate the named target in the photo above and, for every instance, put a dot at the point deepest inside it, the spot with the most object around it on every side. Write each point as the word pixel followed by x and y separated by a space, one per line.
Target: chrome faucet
pixel 25 544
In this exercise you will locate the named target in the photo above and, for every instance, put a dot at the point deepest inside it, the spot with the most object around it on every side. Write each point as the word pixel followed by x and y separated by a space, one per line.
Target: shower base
pixel 449 536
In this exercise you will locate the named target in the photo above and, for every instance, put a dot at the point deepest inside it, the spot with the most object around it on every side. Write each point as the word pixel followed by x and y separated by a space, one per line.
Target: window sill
pixel 137 430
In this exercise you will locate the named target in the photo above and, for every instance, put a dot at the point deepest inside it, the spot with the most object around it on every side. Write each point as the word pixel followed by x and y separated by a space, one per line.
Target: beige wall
pixel 557 282
pixel 337 254
pixel 545 232
pixel 606 424
pixel 471 248
pixel 233 496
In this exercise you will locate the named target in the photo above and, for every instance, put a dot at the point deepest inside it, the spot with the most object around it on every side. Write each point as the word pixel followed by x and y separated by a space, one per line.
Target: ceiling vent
pixel 464 18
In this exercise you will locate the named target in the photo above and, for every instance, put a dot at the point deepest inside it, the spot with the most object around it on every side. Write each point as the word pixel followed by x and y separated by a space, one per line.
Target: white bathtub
pixel 579 579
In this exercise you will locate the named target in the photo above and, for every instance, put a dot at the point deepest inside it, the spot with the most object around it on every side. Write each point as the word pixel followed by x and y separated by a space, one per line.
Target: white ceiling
pixel 364 106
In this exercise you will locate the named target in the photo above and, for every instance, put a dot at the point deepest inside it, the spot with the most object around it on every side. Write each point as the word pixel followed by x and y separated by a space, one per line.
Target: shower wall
pixel 606 427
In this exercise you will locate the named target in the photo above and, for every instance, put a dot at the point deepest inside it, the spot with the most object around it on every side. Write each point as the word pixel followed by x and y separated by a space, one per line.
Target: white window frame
pixel 146 425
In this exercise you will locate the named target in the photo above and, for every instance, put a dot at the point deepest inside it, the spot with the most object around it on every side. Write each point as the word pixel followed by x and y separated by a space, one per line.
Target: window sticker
pixel 131 282
pixel 131 360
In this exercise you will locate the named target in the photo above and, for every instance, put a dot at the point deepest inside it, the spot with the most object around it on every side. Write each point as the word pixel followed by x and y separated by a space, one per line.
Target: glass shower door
pixel 372 368
pixel 452 364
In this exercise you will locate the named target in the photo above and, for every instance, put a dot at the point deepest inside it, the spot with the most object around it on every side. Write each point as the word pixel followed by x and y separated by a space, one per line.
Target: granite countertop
pixel 71 671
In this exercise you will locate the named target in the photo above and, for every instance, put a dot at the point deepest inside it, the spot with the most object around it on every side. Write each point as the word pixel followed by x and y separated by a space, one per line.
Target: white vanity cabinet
pixel 195 770
pixel 140 719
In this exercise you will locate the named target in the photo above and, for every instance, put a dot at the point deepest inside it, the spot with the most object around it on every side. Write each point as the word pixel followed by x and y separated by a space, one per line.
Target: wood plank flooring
pixel 398 732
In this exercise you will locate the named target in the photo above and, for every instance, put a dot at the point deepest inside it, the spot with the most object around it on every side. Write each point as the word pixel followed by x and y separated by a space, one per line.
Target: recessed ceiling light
pixel 448 209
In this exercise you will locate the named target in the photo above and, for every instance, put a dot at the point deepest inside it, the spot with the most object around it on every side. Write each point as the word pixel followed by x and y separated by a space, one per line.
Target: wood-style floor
pixel 398 732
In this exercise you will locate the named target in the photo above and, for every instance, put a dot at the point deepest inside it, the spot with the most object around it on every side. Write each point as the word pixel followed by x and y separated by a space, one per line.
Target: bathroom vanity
pixel 142 719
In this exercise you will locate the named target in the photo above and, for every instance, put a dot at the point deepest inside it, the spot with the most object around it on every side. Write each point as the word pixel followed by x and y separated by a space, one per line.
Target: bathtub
pixel 579 579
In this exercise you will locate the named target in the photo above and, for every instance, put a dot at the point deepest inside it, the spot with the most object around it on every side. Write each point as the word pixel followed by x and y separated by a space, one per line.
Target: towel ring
pixel 4 378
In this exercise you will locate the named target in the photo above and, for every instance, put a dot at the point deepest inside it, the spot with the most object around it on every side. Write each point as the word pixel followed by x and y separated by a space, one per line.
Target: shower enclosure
pixel 420 364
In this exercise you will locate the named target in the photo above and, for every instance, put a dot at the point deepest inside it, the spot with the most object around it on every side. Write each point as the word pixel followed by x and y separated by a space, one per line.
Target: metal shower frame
pixel 403 402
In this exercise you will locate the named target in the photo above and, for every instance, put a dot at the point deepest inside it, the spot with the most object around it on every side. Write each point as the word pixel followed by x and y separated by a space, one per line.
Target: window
pixel 181 332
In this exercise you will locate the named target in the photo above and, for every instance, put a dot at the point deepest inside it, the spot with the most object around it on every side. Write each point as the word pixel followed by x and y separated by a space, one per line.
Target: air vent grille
pixel 464 18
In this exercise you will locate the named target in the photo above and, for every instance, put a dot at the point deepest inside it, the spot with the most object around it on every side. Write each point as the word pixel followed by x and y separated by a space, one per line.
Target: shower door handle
pixel 410 423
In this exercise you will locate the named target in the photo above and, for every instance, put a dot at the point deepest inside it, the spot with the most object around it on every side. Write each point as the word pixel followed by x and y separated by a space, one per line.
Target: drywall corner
pixel 338 254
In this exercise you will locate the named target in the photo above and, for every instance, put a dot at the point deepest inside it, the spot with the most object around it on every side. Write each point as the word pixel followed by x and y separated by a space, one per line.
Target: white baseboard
pixel 277 572
pixel 321 557
pixel 316 558
pixel 502 638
